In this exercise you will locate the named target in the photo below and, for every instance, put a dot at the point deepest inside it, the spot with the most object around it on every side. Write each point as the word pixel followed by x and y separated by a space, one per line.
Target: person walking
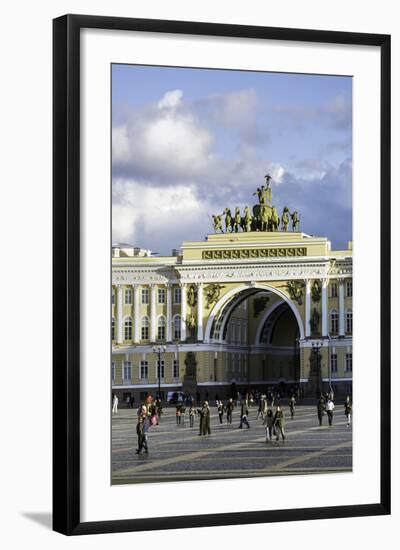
pixel 115 404
pixel 178 414
pixel 205 419
pixel 220 409
pixel 347 410
pixel 292 403
pixel 229 411
pixel 183 413
pixel 244 411
pixel 320 409
pixel 279 423
pixel 192 413
pixel 142 428
pixel 329 410
pixel 269 425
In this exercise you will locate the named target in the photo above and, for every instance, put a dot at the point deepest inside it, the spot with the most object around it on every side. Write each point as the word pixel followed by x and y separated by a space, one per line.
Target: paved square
pixel 179 453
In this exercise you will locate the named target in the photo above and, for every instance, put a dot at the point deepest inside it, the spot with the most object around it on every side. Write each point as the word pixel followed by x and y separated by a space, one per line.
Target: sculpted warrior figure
pixel 285 219
pixel 217 223
pixel 228 220
pixel 274 219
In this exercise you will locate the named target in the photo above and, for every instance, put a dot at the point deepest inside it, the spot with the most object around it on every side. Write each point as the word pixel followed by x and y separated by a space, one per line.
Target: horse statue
pixel 274 220
pixel 228 220
pixel 285 219
pixel 264 218
pixel 237 220
pixel 247 219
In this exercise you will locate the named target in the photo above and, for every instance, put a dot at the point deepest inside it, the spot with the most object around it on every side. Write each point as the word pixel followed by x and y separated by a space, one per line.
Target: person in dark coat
pixel 292 403
pixel 142 428
pixel 269 425
pixel 347 410
pixel 244 411
pixel 279 423
pixel 220 409
pixel 229 410
pixel 205 419
pixel 320 409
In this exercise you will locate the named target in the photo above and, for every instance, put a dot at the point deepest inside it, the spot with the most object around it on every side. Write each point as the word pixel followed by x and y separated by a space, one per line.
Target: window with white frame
pixel 333 362
pixel 161 295
pixel 145 295
pixel 128 296
pixel 127 373
pixel 349 362
pixel 113 372
pixel 128 328
pixel 144 370
pixel 160 364
pixel 144 328
pixel 175 368
pixel 177 327
pixel 177 295
pixel 349 288
pixel 349 321
pixel 161 328
pixel 334 290
pixel 113 329
pixel 334 321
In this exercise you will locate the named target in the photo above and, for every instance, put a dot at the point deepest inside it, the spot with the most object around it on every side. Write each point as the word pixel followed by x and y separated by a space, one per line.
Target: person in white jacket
pixel 115 404
pixel 329 410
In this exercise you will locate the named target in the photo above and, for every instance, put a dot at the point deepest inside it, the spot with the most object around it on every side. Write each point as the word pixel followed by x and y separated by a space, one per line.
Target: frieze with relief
pixel 239 254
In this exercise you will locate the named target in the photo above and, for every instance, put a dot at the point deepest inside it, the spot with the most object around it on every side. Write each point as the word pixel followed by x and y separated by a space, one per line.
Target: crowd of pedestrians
pixel 269 410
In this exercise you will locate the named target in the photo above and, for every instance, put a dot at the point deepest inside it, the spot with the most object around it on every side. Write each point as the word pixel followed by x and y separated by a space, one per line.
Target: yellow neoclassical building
pixel 237 310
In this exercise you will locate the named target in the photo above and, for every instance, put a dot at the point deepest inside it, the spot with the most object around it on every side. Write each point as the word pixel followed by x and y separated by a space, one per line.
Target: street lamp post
pixel 316 346
pixel 159 350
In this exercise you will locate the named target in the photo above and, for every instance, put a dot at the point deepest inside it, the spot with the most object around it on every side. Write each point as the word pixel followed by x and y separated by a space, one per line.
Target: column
pixel 169 312
pixel 341 307
pixel 307 328
pixel 136 313
pixel 183 312
pixel 200 311
pixel 119 315
pixel 324 307
pixel 153 316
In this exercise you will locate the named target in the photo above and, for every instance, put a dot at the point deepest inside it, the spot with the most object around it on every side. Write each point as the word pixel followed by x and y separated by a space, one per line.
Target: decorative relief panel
pixel 240 254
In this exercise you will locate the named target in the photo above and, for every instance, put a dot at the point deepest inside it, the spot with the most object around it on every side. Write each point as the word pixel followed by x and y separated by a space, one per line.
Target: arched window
pixel 113 329
pixel 128 328
pixel 177 327
pixel 161 328
pixel 145 328
pixel 349 321
pixel 334 321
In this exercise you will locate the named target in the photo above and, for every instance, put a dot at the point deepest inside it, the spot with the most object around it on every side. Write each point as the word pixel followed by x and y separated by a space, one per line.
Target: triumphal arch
pixel 257 303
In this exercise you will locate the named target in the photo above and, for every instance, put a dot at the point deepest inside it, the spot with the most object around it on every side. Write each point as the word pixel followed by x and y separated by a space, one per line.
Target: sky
pixel 186 143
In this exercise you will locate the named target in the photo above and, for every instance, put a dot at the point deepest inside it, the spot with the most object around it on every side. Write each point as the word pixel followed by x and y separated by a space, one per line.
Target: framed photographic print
pixel 221 274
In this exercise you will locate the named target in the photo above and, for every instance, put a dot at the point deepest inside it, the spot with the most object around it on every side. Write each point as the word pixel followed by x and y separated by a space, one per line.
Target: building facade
pixel 238 310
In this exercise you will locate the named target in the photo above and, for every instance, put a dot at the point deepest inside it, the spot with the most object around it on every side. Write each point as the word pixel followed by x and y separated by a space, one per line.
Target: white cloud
pixel 170 99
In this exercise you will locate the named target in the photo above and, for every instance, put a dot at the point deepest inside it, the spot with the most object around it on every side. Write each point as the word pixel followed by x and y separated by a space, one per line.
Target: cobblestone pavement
pixel 179 453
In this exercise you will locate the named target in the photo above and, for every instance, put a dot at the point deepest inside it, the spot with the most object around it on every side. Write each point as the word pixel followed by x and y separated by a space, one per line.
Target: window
pixel 161 295
pixel 113 372
pixel 244 333
pixel 127 370
pixel 237 333
pixel 113 329
pixel 349 288
pixel 128 296
pixel 162 365
pixel 349 362
pixel 177 295
pixel 145 295
pixel 175 369
pixel 334 362
pixel 334 321
pixel 177 327
pixel 349 321
pixel 144 370
pixel 333 290
pixel 161 328
pixel 113 297
pixel 145 328
pixel 128 328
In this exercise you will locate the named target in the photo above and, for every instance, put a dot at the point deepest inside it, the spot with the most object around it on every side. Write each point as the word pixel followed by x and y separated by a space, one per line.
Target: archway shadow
pixel 45 519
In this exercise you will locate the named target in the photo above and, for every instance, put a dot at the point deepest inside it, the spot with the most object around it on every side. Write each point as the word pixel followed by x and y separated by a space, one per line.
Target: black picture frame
pixel 66 273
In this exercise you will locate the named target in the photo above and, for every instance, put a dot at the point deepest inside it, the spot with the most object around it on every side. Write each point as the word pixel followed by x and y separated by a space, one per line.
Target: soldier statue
pixel 228 220
pixel 237 220
pixel 217 223
pixel 295 221
pixel 285 219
